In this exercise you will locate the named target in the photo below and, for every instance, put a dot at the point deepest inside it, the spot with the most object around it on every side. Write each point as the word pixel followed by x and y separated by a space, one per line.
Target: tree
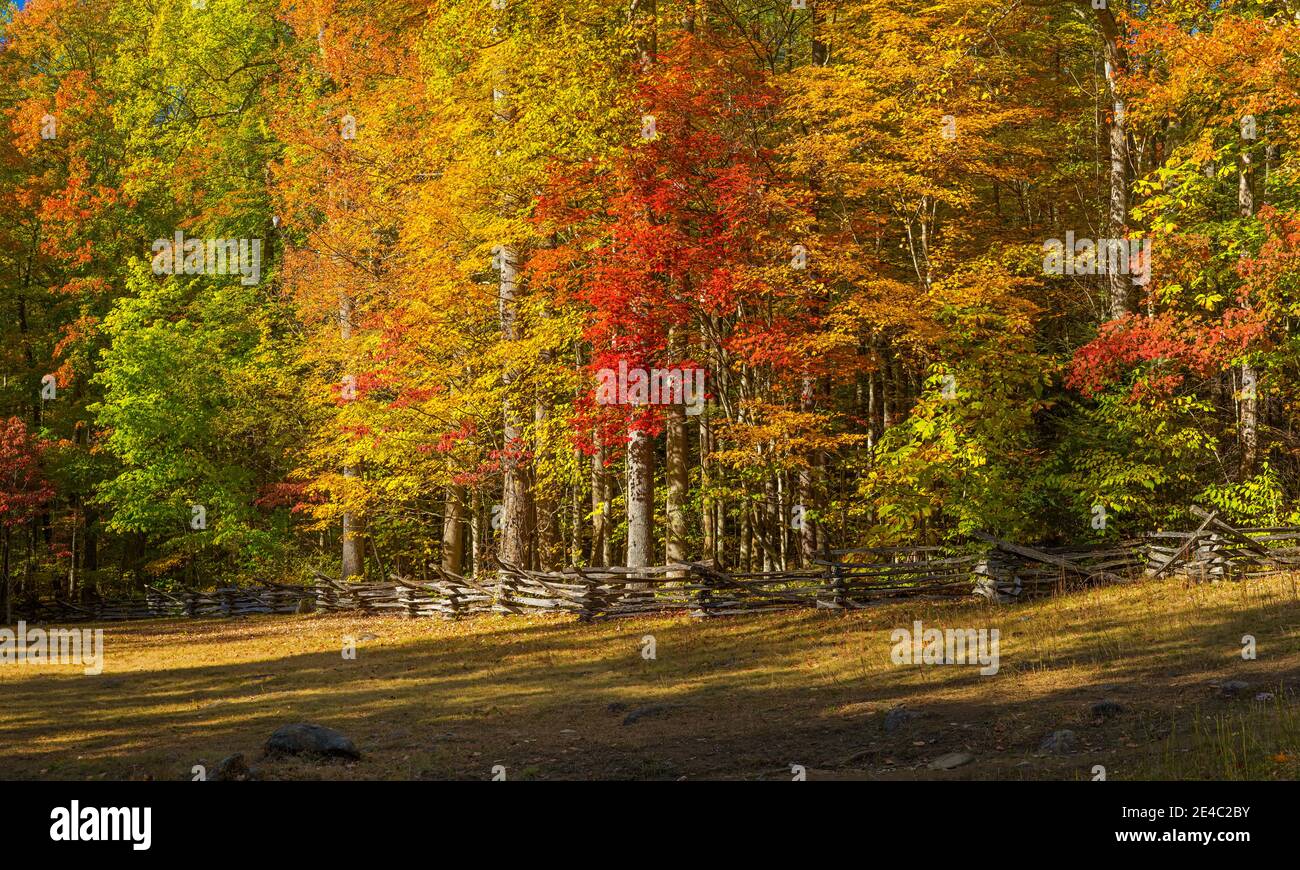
pixel 24 490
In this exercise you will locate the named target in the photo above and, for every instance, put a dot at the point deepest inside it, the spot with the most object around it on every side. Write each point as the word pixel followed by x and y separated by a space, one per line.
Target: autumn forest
pixel 364 288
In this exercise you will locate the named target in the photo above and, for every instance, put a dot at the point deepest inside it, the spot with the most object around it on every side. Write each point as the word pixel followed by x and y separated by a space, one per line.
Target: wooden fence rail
pixel 841 580
pixel 156 604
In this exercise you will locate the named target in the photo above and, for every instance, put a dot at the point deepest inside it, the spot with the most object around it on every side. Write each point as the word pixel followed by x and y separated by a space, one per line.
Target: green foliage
pixel 198 409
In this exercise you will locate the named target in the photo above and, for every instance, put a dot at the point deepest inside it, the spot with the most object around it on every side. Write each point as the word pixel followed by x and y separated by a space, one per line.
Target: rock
pixel 650 711
pixel 1107 708
pixel 1264 696
pixel 1058 742
pixel 304 739
pixel 1232 688
pixel 951 760
pixel 231 769
pixel 858 757
pixel 898 717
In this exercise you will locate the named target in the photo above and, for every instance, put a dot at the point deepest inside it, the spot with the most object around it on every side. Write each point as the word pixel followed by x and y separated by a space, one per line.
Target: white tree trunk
pixel 1120 284
pixel 353 551
pixel 640 500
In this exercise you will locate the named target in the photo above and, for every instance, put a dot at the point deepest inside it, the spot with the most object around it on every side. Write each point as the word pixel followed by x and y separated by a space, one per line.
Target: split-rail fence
pixel 838 580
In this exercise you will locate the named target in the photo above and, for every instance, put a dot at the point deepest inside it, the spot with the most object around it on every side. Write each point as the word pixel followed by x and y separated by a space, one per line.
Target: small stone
pixel 305 739
pixel 232 768
pixel 650 711
pixel 898 717
pixel 1058 742
pixel 858 757
pixel 951 760
pixel 1232 688
pixel 1264 696
pixel 1107 708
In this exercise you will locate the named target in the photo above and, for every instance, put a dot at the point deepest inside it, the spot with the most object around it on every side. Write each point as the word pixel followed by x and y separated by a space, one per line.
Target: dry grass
pixel 745 697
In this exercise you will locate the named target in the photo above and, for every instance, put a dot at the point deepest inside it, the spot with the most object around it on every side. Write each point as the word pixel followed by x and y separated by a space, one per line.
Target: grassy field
pixel 731 698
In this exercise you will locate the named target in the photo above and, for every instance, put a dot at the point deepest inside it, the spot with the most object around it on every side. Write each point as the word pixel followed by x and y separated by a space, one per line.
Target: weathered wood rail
pixel 156 604
pixel 840 580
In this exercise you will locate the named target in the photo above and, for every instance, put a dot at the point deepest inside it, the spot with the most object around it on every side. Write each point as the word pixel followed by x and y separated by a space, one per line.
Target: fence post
pixel 997 577
pixel 1214 565
pixel 704 596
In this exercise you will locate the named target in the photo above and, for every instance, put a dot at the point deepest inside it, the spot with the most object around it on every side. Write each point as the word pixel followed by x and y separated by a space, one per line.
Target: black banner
pixel 133 822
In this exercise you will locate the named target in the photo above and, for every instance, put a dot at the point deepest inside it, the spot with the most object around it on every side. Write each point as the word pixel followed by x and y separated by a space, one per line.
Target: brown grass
pixel 746 697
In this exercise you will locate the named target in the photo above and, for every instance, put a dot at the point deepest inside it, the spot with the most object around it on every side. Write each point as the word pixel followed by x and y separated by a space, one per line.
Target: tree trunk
pixel 515 507
pixel 640 500
pixel 821 52
pixel 648 42
pixel 354 552
pixel 807 487
pixel 576 553
pixel 8 584
pixel 90 549
pixel 1115 57
pixel 453 531
pixel 744 561
pixel 601 546
pixel 678 481
pixel 515 500
pixel 708 507
pixel 769 524
pixel 72 562
pixel 548 546
pixel 479 525
pixel 1249 425
pixel 1249 420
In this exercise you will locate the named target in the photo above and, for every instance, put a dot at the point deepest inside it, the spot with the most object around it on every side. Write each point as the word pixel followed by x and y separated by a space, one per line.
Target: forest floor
pixel 731 698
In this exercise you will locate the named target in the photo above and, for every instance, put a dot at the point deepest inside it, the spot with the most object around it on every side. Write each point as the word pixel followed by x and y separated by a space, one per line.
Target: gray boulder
pixel 650 711
pixel 951 760
pixel 1058 742
pixel 898 717
pixel 1232 688
pixel 232 768
pixel 305 739
pixel 1106 709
